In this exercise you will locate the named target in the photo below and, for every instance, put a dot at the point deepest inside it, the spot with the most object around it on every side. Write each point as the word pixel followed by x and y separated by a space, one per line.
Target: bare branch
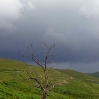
pixel 40 85
pixel 23 55
pixel 36 61
pixel 51 87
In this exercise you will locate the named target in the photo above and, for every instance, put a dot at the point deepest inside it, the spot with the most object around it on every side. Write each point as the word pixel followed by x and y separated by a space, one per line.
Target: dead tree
pixel 45 87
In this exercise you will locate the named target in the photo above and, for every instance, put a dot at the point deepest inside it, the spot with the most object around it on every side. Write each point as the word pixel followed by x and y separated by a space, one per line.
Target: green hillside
pixel 79 75
pixel 69 84
pixel 96 74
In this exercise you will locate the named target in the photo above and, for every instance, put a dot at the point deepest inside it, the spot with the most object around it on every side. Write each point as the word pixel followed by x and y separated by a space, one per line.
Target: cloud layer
pixel 71 25
pixel 12 10
pixel 9 10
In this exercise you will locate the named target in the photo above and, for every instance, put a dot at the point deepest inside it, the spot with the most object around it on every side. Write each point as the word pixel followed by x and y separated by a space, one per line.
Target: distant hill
pixel 78 75
pixel 96 74
pixel 69 84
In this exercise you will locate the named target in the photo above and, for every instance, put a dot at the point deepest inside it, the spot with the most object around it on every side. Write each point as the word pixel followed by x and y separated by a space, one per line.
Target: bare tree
pixel 45 87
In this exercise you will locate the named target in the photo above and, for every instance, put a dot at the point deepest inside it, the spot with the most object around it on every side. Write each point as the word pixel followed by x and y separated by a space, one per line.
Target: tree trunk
pixel 44 95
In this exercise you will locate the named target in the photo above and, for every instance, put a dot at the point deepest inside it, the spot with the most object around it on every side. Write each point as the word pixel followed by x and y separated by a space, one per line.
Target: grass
pixel 69 84
pixel 96 74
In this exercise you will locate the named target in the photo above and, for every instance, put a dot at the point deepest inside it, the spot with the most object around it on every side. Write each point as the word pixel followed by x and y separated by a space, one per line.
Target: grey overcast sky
pixel 73 25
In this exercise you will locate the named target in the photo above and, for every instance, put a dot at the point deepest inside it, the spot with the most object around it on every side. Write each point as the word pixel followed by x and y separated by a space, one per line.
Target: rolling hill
pixel 96 74
pixel 69 84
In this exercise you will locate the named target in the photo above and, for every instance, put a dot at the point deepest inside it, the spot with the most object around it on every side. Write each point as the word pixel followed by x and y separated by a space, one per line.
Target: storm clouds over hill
pixel 71 25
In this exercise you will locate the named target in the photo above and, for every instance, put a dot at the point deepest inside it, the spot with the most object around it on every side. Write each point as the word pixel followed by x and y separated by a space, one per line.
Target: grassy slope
pixel 96 74
pixel 79 75
pixel 68 84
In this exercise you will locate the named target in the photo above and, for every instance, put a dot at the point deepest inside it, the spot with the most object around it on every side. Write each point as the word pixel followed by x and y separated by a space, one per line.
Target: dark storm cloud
pixel 71 25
